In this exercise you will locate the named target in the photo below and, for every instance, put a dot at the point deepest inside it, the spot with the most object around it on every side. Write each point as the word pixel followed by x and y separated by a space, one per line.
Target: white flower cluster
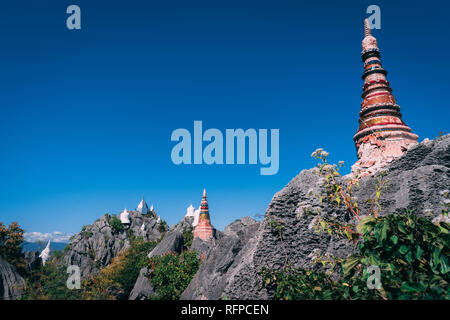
pixel 319 153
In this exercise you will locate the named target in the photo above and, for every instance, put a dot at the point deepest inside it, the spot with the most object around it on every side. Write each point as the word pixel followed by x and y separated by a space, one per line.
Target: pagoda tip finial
pixel 204 192
pixel 367 31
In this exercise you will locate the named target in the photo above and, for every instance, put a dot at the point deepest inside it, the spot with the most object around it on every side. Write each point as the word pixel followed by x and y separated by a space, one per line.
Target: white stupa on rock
pixel 45 254
pixel 143 228
pixel 124 217
pixel 142 207
pixel 151 209
pixel 191 212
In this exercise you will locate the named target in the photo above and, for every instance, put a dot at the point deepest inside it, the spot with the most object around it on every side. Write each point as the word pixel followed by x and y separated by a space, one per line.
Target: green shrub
pixel 162 226
pixel 171 273
pixel 11 240
pixel 411 252
pixel 116 224
pixel 87 234
pixel 188 236
pixel 49 283
pixel 116 280
pixel 134 260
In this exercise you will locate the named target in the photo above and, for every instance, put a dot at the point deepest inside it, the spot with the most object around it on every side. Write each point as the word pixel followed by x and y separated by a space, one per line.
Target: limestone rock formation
pixel 142 288
pixel 212 277
pixel 95 246
pixel 11 283
pixel 171 242
pixel 415 182
pixel 32 260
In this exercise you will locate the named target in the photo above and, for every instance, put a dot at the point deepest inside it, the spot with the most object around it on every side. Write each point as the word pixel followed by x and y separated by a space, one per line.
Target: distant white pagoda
pixel 45 254
pixel 142 207
pixel 191 212
pixel 124 217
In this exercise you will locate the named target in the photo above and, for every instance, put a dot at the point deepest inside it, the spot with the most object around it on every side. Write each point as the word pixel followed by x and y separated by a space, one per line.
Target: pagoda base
pixel 375 151
pixel 204 232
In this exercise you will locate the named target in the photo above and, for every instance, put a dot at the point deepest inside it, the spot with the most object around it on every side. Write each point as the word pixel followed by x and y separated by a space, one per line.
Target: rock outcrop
pixel 11 283
pixel 172 241
pixel 33 261
pixel 95 246
pixel 211 279
pixel 415 182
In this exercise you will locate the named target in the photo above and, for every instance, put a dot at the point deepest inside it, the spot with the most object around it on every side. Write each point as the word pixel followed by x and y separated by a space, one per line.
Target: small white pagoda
pixel 125 217
pixel 45 254
pixel 192 212
pixel 142 207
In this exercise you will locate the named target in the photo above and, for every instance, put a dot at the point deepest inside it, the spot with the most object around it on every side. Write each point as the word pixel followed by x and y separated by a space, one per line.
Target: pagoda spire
pixel 367 30
pixel 382 135
pixel 203 229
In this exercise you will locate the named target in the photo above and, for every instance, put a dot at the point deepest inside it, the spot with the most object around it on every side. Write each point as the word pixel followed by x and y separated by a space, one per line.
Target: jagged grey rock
pixel 94 247
pixel 171 242
pixel 11 283
pixel 414 182
pixel 142 288
pixel 212 277
pixel 32 260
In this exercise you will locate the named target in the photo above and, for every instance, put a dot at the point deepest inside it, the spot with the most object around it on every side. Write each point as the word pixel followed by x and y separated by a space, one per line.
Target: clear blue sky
pixel 86 116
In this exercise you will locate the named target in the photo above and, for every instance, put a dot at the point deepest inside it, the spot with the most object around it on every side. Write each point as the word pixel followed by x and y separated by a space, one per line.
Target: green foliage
pixel 275 225
pixel 49 283
pixel 87 234
pixel 11 239
pixel 171 273
pixel 117 279
pixel 298 284
pixel 411 252
pixel 162 226
pixel 134 259
pixel 188 236
pixel 116 224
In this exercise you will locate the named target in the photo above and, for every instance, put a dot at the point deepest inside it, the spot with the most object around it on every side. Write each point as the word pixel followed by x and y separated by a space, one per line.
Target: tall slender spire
pixel 203 229
pixel 382 136
pixel 367 31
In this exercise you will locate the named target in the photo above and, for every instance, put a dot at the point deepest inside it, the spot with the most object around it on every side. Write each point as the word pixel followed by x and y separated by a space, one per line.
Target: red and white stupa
pixel 382 136
pixel 203 229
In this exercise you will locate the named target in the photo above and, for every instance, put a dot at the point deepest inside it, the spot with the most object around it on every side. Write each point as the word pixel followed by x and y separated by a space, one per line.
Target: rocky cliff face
pixel 95 246
pixel 11 283
pixel 220 264
pixel 414 182
pixel 172 241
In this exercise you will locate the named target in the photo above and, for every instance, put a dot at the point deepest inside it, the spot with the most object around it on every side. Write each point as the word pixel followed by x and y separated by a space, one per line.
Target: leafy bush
pixel 298 284
pixel 171 273
pixel 116 224
pixel 411 252
pixel 87 234
pixel 11 239
pixel 49 283
pixel 188 236
pixel 162 226
pixel 117 280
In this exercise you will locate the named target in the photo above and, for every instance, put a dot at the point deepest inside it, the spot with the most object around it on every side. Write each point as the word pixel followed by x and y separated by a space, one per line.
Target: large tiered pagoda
pixel 382 136
pixel 203 229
